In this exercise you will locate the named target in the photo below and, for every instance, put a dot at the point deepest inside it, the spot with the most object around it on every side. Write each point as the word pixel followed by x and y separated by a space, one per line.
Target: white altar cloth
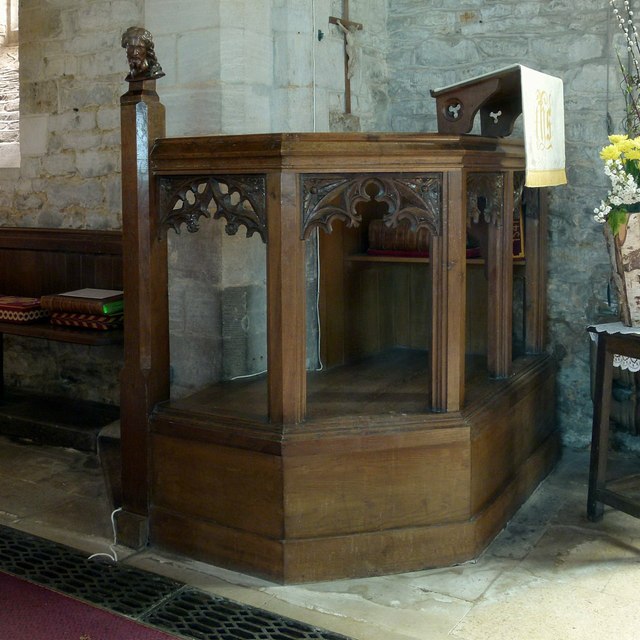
pixel 624 362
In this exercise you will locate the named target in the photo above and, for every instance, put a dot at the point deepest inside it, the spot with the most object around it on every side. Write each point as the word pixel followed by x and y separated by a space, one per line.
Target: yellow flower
pixel 610 153
pixel 624 146
pixel 616 138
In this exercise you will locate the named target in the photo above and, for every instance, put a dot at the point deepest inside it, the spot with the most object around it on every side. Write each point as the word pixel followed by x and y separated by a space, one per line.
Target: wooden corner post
pixel 536 211
pixel 285 301
pixel 500 275
pixel 449 281
pixel 145 375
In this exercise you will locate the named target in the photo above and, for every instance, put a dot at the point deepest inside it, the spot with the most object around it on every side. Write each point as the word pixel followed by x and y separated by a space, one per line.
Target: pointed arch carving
pixel 416 198
pixel 239 199
pixel 484 196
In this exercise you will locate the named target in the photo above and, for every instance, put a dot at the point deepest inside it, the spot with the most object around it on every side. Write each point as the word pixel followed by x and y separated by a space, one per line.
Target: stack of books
pixel 400 240
pixel 21 310
pixel 100 309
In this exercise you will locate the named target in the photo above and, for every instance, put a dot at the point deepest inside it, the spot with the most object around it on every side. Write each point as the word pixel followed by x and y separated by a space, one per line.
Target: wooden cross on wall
pixel 347 27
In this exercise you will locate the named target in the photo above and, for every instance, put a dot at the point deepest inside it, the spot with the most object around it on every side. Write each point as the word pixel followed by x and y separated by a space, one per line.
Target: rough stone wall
pixel 435 44
pixel 71 78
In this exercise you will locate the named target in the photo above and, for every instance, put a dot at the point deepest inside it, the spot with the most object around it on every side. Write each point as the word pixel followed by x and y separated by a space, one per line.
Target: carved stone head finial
pixel 141 55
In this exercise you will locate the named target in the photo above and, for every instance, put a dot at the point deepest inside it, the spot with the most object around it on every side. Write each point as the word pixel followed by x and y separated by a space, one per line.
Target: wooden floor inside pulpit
pixel 371 483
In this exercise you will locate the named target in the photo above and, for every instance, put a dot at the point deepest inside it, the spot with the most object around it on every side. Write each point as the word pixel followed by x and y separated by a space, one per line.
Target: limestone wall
pixel 251 67
pixel 434 44
pixel 232 66
pixel 71 77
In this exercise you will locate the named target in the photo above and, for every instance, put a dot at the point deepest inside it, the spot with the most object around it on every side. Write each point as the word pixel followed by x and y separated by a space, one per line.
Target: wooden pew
pixel 35 262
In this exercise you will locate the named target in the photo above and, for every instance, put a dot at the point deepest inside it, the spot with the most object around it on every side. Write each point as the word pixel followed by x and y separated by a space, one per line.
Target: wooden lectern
pixel 496 96
pixel 430 423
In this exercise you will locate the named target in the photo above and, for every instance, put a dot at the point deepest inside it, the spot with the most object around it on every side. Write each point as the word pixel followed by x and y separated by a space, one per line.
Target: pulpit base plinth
pixel 352 495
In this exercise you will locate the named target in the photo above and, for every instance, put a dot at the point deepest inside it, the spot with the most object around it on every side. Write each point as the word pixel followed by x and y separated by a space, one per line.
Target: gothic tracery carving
pixel 484 197
pixel 416 198
pixel 240 200
pixel 518 192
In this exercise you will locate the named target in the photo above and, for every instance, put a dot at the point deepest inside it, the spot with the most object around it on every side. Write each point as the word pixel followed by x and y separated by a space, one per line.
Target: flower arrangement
pixel 622 155
pixel 622 166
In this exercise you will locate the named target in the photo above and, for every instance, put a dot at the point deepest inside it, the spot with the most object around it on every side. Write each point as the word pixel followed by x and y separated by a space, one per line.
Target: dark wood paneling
pixel 89 241
pixel 35 262
pixel 508 429
pixel 372 553
pixel 348 495
pixel 378 553
pixel 491 520
pixel 219 545
pixel 237 489
pixel 359 491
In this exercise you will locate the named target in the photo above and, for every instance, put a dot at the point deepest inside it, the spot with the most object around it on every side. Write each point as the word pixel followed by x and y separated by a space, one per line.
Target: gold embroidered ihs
pixel 543 120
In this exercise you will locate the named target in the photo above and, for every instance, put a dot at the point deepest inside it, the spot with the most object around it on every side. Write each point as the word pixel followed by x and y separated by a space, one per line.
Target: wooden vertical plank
pixel 1 365
pixel 400 294
pixel 286 326
pixel 600 427
pixel 500 273
pixel 145 375
pixel 332 297
pixel 535 223
pixel 421 306
pixel 448 264
pixel 387 277
pixel 363 311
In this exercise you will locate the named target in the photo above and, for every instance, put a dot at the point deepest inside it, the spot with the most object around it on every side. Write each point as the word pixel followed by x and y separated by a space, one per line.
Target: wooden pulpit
pixel 433 418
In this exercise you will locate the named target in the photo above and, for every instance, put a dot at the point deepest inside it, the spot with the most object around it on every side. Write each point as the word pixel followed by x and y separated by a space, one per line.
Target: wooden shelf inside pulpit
pixel 428 425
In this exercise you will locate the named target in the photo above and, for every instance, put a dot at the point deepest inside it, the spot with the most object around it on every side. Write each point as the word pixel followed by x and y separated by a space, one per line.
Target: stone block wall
pixel 232 66
pixel 251 67
pixel 435 44
pixel 71 77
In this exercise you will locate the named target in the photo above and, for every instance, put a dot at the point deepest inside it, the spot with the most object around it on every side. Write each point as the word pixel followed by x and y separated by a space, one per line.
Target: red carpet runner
pixel 31 612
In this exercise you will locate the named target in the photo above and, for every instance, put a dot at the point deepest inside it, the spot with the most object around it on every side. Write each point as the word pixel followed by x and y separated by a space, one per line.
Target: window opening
pixel 12 22
pixel 9 86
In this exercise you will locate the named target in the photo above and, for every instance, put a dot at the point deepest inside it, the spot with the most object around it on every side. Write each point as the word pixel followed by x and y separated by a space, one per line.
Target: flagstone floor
pixel 551 574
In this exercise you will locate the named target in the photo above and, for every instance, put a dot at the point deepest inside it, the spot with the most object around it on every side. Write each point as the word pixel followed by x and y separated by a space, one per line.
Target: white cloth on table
pixel 624 362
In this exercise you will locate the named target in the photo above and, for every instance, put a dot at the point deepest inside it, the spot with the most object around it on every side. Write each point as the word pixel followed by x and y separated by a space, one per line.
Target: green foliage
pixel 617 217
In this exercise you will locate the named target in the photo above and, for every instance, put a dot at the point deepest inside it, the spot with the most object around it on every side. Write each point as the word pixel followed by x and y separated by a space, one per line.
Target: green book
pixel 93 301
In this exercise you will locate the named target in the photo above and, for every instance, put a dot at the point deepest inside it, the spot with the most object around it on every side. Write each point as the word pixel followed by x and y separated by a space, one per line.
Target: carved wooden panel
pixel 417 198
pixel 518 192
pixel 484 197
pixel 239 199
